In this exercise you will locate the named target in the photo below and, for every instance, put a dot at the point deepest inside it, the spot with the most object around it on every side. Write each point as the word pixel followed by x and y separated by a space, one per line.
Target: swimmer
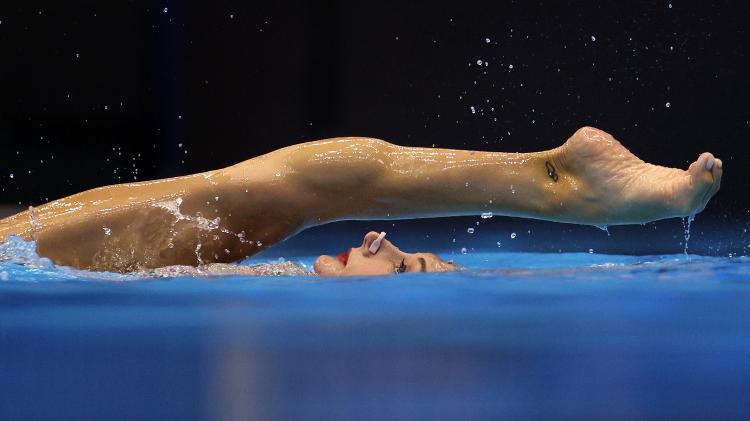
pixel 231 213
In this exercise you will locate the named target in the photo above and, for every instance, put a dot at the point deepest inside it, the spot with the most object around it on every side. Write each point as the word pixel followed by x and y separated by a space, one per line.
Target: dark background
pixel 95 93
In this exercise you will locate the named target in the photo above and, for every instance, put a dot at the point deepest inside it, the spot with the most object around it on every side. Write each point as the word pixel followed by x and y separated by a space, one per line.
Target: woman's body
pixel 231 213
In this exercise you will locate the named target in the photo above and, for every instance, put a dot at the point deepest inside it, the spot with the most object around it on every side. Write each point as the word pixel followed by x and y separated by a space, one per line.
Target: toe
pixel 702 182
pixel 702 169
pixel 709 172
pixel 716 173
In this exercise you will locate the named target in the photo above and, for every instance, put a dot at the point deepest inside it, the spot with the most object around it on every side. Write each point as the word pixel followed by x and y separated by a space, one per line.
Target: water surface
pixel 529 335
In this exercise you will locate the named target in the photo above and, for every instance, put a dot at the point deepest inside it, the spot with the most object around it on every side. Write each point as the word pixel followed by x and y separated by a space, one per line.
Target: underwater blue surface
pixel 517 335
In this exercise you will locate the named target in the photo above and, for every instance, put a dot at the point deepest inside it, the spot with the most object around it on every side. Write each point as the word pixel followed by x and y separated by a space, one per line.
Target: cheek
pixel 368 267
pixel 435 265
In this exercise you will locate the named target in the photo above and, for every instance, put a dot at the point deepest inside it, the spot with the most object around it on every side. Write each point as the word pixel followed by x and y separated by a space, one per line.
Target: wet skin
pixel 234 212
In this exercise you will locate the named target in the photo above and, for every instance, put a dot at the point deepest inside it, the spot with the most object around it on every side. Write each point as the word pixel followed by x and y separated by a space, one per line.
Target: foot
pixel 608 185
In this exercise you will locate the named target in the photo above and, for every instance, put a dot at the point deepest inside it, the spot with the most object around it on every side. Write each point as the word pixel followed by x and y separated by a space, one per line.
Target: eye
pixel 400 268
pixel 422 264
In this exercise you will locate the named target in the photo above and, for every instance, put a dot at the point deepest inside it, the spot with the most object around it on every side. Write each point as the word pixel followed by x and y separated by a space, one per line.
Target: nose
pixel 373 243
pixel 369 238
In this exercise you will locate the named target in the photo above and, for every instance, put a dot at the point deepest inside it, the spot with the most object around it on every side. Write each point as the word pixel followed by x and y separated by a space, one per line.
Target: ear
pixel 328 266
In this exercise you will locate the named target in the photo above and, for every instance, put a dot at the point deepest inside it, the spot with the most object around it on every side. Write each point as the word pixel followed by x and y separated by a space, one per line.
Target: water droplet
pixel 510 66
pixel 231 16
pixel 107 231
pixel 479 62
pixel 463 250
pixel 668 104
pixel 513 235
pixel 686 228
pixel 486 215
pixel 593 38
pixel 487 40
pixel 473 110
pixel 499 244
pixel 670 5
pixel 591 251
pixel 470 230
pixel 11 175
pixel 258 243
pixel 165 10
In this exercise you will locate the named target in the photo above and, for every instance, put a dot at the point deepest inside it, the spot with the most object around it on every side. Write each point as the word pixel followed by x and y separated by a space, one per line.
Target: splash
pixel 18 251
pixel 35 225
pixel 279 268
pixel 198 253
pixel 19 262
pixel 686 231
pixel 173 207
pixel 604 228
pixel 201 222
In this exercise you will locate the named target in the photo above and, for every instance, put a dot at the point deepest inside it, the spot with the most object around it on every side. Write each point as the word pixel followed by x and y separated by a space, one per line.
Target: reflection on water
pixel 539 335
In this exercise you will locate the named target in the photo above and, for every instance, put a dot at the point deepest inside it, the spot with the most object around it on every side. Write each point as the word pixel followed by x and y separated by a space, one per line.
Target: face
pixel 387 260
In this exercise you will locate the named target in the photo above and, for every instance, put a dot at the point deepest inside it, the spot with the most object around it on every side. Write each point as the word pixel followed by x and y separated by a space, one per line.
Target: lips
pixel 343 257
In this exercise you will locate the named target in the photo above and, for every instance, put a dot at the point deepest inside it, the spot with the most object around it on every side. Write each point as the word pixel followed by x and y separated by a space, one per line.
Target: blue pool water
pixel 517 335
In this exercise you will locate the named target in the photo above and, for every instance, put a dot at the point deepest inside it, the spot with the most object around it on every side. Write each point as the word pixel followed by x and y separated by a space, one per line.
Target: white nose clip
pixel 375 246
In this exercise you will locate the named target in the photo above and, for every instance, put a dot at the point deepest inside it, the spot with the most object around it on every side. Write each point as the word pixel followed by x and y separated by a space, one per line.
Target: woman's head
pixel 369 259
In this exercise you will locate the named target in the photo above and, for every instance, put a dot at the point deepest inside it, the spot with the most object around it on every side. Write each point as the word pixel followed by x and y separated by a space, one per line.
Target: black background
pixel 95 93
